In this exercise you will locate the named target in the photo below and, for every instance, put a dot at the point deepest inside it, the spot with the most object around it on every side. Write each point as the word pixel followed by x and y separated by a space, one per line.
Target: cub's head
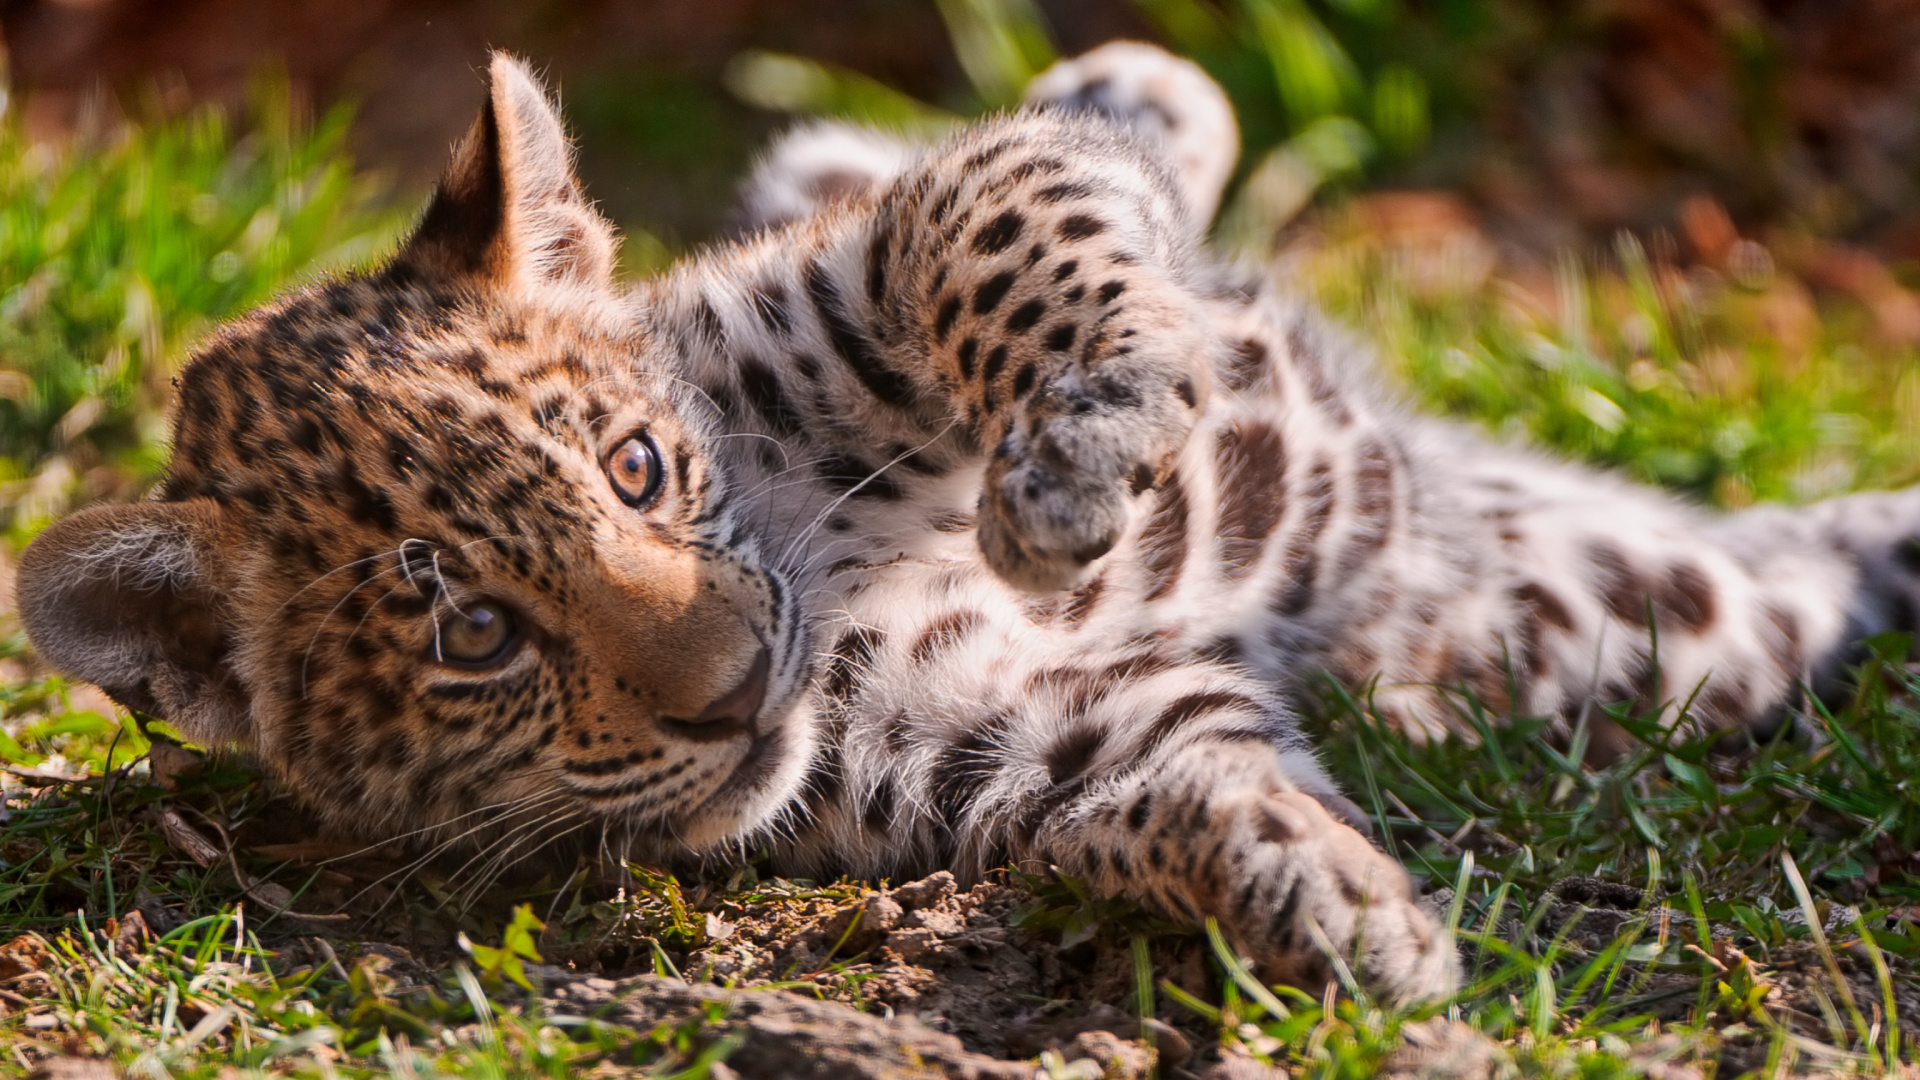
pixel 445 545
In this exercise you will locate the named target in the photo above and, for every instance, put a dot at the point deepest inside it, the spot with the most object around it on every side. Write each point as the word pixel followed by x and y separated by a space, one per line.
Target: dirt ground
pixel 924 979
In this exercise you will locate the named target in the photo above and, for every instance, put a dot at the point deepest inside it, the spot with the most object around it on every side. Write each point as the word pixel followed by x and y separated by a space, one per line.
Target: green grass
pixel 1681 376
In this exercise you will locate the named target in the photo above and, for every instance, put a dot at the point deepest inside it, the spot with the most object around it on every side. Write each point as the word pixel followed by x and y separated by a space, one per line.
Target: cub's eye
pixel 634 471
pixel 480 635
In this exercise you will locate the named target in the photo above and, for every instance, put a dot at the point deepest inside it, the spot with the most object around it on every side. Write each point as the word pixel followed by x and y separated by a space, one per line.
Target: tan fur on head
pixel 360 466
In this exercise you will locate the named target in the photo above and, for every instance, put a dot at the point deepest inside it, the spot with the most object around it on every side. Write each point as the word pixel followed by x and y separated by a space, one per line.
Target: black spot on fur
pixel 849 474
pixel 1080 227
pixel 944 633
pixel 1245 364
pixel 1686 596
pixel 1372 506
pixel 770 303
pixel 848 665
pixel 995 236
pixel 990 292
pixel 1023 380
pixel 963 769
pixel 1082 600
pixel 1545 604
pixel 1072 754
pixel 1907 554
pixel 1064 192
pixel 996 360
pixel 1619 587
pixel 1026 315
pixel 769 398
pixel 1190 707
pixel 876 813
pixel 943 320
pixel 1299 567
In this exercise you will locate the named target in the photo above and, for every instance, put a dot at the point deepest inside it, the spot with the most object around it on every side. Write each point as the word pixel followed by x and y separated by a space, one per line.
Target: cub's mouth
pixel 769 773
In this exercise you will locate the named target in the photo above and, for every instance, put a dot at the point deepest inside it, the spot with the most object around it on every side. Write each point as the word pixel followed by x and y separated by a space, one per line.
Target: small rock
pixel 926 892
pixel 1118 1058
pixel 160 919
pixel 23 956
pixel 914 946
pixel 1097 1021
pixel 130 935
pixel 798 958
pixel 880 914
pixel 717 964
pixel 170 764
pixel 1172 1048
pixel 587 995
pixel 1241 1068
pixel 940 922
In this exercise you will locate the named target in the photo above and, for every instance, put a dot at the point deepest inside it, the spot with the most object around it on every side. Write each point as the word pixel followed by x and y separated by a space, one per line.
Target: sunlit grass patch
pixel 119 246
pixel 207 997
pixel 1728 383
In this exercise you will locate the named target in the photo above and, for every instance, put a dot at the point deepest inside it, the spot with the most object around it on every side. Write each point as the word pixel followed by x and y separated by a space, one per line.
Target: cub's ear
pixel 508 211
pixel 124 597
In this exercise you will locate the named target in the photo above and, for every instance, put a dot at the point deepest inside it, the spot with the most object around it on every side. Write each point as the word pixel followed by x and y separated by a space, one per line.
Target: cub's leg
pixel 1183 785
pixel 1033 290
pixel 1585 590
pixel 1871 540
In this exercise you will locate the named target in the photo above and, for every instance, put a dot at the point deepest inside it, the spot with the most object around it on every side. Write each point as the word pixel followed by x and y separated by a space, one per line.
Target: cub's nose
pixel 732 712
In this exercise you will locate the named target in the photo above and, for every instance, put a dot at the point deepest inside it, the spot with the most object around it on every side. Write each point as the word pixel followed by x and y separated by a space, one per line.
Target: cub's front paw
pixel 1042 531
pixel 1320 873
pixel 1076 466
pixel 1066 483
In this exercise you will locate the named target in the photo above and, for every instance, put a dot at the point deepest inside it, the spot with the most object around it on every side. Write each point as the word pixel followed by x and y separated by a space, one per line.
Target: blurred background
pixel 1681 237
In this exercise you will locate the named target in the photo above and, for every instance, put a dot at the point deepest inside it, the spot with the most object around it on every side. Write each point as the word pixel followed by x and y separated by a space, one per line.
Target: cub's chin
pixel 764 785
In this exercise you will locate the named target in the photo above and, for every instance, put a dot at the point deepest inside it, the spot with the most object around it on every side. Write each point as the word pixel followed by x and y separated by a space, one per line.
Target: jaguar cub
pixel 964 512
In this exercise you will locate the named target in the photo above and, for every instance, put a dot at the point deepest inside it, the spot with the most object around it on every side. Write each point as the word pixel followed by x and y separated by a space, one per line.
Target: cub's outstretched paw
pixel 1307 871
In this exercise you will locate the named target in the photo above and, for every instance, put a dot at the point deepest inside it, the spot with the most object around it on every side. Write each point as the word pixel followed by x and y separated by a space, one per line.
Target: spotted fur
pixel 987 519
